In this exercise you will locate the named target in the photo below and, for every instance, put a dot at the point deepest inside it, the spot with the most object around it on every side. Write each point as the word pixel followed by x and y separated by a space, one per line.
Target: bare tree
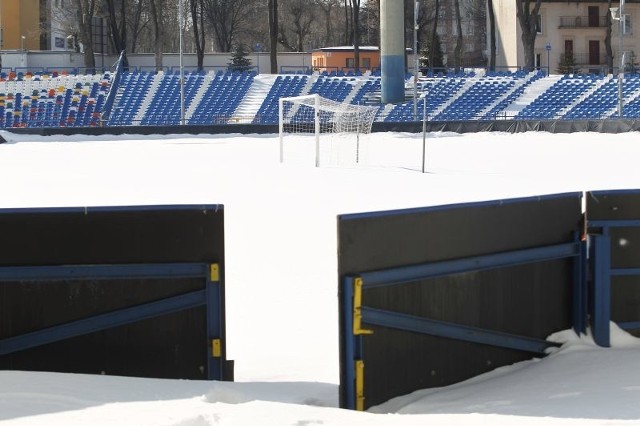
pixel 228 19
pixel 117 21
pixel 157 18
pixel 197 21
pixel 327 7
pixel 66 18
pixel 370 22
pixel 273 35
pixel 607 40
pixel 301 16
pixel 492 36
pixel 457 52
pixel 527 12
pixel 138 23
pixel 85 10
pixel 348 34
pixel 434 34
pixel 355 28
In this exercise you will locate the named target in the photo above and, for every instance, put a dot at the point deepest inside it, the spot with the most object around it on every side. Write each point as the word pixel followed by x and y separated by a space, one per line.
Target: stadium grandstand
pixel 121 97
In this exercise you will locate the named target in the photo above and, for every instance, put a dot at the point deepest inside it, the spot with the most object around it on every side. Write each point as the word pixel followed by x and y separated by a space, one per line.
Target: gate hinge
pixel 216 348
pixel 357 311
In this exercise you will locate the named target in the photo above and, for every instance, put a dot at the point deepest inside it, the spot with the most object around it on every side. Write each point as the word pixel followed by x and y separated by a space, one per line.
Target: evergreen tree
pixel 239 60
pixel 438 56
pixel 567 64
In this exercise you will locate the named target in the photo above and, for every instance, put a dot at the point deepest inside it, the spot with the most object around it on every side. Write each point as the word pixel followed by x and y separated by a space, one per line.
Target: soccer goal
pixel 313 115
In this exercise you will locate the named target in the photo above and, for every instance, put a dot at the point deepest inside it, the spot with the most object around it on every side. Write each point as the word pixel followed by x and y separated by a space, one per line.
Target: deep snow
pixel 281 289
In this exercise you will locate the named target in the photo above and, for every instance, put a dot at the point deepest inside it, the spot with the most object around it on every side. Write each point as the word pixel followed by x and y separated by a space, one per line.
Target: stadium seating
pixel 165 105
pixel 559 97
pixel 40 98
pixel 224 93
pixel 134 86
pixel 44 100
pixel 283 86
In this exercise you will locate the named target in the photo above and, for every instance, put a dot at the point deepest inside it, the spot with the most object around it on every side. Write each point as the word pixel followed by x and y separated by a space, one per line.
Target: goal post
pixel 288 108
pixel 315 115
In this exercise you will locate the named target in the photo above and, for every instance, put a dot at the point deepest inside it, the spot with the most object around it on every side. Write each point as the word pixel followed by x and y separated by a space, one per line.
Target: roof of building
pixel 347 49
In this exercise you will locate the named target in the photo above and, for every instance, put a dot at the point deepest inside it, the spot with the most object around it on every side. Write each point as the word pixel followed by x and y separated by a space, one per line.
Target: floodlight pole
pixel 181 25
pixel 621 73
pixel 416 7
pixel 424 131
pixel 619 16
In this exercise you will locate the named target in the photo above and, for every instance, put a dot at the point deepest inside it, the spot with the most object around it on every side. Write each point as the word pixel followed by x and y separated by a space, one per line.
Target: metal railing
pixel 583 22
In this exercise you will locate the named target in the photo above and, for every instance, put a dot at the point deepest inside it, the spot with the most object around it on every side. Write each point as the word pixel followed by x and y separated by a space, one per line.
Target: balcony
pixel 581 59
pixel 583 22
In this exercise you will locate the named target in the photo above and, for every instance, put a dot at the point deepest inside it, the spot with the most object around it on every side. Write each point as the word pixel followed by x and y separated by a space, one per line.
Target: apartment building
pixel 20 24
pixel 575 29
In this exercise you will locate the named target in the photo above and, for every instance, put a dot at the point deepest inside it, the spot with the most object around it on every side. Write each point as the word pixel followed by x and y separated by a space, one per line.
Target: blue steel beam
pixel 350 344
pixel 97 272
pixel 612 223
pixel 103 322
pixel 624 271
pixel 453 331
pixel 579 300
pixel 630 325
pixel 601 288
pixel 406 274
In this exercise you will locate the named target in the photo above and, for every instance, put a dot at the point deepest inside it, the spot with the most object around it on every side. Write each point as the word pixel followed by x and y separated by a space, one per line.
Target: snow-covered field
pixel 282 326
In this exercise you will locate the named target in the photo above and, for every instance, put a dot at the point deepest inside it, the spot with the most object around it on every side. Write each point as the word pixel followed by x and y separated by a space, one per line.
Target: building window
pixel 366 63
pixel 351 63
pixel 627 27
pixel 468 30
pixel 539 23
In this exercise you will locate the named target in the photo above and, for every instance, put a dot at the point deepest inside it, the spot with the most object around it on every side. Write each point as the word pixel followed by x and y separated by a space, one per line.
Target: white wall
pixel 508 33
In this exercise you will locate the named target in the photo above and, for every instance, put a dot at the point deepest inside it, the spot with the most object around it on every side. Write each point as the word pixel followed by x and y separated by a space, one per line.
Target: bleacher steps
pixel 144 105
pixel 530 94
pixel 197 98
pixel 250 104
pixel 518 85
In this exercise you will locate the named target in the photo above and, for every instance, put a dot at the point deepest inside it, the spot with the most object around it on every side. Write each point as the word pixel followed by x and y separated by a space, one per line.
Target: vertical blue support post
pixel 580 290
pixel 349 344
pixel 214 324
pixel 392 51
pixel 601 289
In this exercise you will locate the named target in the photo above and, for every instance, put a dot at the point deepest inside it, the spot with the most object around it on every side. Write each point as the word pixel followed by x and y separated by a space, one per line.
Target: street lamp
pixel 102 43
pixel 547 47
pixel 416 6
pixel 258 49
pixel 181 26
pixel 617 14
pixel 23 54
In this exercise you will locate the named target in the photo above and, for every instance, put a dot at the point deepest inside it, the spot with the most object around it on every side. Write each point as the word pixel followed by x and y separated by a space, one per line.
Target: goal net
pixel 335 127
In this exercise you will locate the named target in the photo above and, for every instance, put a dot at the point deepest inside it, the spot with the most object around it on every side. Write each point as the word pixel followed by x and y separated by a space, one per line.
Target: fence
pixel 433 296
pixel 134 291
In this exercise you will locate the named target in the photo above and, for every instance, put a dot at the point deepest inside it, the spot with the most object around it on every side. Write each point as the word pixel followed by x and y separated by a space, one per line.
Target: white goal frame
pixel 364 115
